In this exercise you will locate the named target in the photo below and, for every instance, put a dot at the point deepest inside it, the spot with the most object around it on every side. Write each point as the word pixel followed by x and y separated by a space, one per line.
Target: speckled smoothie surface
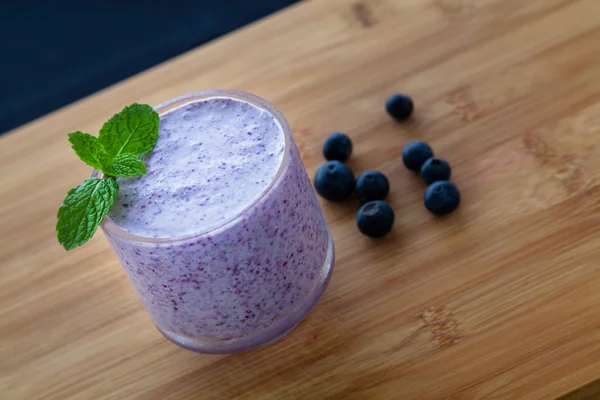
pixel 212 159
pixel 232 274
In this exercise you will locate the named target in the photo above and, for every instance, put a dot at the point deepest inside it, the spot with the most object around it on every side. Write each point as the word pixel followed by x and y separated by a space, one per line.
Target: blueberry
pixel 371 185
pixel 442 197
pixel 399 106
pixel 435 169
pixel 415 154
pixel 375 219
pixel 337 146
pixel 334 181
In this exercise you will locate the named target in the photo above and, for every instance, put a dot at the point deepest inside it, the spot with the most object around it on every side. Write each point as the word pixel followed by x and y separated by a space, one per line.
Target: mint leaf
pixel 132 131
pixel 125 165
pixel 123 139
pixel 89 149
pixel 83 209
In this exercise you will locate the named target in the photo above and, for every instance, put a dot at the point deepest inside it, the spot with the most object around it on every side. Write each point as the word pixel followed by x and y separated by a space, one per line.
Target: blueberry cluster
pixel 335 181
pixel 442 196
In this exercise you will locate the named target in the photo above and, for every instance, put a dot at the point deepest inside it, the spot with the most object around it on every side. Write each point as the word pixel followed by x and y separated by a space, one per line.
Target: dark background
pixel 55 52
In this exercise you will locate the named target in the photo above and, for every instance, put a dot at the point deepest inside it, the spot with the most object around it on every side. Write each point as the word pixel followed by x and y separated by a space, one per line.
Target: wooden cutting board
pixel 499 301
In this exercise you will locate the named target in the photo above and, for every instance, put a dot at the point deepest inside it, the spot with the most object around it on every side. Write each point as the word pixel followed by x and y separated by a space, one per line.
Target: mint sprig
pixel 116 151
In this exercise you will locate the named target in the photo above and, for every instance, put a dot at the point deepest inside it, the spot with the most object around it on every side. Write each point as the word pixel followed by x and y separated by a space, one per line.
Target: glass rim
pixel 111 228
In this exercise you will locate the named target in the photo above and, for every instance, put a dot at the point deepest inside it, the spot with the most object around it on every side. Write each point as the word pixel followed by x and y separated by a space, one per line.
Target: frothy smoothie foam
pixel 213 158
pixel 223 238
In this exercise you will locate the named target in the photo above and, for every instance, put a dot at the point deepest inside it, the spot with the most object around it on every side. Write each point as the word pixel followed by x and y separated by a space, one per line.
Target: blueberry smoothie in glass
pixel 223 238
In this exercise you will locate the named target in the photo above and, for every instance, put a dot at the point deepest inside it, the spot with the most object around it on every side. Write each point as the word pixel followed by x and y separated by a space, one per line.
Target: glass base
pixel 278 329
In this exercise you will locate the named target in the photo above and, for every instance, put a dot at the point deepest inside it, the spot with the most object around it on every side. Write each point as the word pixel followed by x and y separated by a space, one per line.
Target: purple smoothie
pixel 223 238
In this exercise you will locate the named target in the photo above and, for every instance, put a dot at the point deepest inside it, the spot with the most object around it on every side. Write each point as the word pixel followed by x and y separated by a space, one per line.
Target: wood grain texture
pixel 588 392
pixel 499 301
